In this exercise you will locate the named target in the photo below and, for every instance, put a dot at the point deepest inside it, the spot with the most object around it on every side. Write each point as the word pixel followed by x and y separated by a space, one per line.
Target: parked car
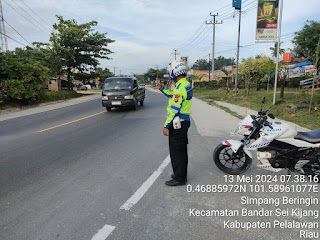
pixel 86 87
pixel 122 92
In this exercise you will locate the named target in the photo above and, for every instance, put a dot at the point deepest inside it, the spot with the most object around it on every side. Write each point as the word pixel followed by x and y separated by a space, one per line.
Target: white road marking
pixel 103 232
pixel 145 186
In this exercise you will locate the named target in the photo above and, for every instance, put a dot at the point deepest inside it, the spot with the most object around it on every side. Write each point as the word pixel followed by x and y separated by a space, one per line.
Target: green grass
pixel 294 108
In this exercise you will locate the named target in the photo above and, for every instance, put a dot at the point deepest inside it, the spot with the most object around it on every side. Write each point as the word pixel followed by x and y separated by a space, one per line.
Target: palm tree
pixel 274 49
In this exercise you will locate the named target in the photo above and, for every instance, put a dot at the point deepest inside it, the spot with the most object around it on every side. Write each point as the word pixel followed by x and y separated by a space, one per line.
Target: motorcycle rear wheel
pixel 222 157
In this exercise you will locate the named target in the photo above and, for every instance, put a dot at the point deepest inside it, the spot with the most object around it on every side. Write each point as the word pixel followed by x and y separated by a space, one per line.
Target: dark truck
pixel 121 92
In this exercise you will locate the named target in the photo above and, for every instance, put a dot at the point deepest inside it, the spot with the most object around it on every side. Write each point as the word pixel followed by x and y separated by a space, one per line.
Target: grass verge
pixel 293 108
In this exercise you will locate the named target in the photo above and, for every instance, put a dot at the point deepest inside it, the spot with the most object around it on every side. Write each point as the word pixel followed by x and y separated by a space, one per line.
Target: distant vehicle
pixel 85 87
pixel 143 85
pixel 122 92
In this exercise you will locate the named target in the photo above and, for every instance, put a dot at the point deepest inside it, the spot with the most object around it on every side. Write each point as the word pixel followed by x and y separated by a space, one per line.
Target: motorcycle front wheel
pixel 228 162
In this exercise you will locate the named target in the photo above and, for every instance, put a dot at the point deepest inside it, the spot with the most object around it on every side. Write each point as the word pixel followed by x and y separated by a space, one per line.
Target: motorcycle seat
pixel 311 137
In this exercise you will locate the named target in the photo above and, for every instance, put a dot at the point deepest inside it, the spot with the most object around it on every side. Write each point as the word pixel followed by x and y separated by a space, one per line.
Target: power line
pixel 192 42
pixel 13 39
pixel 195 42
pixel 35 13
pixel 245 9
pixel 27 13
pixel 191 39
pixel 16 31
pixel 21 15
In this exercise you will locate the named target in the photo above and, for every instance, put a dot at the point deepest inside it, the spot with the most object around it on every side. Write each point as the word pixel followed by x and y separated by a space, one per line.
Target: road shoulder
pixel 6 115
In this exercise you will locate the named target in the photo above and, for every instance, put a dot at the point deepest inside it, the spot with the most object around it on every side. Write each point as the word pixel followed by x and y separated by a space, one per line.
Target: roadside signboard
pixel 287 57
pixel 184 59
pixel 267 20
pixel 165 75
pixel 301 71
pixel 236 4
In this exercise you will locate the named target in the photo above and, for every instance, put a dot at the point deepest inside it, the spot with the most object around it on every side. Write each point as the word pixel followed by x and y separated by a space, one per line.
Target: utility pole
pixel 209 66
pixel 278 50
pixel 175 54
pixel 3 37
pixel 114 71
pixel 157 71
pixel 237 5
pixel 238 47
pixel 214 22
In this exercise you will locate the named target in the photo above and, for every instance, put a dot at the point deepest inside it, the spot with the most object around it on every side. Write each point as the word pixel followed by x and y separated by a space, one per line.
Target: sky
pixel 147 31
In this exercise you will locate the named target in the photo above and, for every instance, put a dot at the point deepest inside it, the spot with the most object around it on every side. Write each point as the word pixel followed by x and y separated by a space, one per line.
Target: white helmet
pixel 177 68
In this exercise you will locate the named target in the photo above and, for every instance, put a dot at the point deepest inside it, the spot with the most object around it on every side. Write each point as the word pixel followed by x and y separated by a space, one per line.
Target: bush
pixel 23 78
pixel 209 84
pixel 60 95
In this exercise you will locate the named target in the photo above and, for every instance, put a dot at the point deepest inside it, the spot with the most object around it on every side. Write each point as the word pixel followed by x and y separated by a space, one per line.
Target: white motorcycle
pixel 279 147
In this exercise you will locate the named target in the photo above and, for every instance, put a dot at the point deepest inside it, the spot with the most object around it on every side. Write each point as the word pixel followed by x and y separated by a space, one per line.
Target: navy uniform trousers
pixel 178 141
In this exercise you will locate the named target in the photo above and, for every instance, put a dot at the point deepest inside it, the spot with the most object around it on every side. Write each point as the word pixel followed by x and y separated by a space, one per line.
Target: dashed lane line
pixel 47 129
pixel 103 232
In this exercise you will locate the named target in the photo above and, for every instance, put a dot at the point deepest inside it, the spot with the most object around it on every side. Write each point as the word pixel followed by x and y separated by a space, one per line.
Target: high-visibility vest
pixel 180 101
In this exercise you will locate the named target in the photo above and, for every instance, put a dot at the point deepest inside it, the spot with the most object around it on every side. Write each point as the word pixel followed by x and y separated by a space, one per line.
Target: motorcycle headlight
pixel 104 97
pixel 128 97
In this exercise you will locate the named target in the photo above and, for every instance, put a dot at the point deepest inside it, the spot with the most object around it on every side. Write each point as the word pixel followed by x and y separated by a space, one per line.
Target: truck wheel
pixel 108 109
pixel 141 102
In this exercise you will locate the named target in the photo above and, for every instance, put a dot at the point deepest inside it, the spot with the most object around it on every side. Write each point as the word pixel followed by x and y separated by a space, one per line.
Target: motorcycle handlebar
pixel 268 124
pixel 263 112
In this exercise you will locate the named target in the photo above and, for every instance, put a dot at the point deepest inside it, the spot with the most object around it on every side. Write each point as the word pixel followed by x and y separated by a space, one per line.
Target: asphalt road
pixel 68 173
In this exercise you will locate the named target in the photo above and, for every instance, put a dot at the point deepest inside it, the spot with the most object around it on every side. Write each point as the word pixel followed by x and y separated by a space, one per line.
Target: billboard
pixel 301 71
pixel 267 20
pixel 184 59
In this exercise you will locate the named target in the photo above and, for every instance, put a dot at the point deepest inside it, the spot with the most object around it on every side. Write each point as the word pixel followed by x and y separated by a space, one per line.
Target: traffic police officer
pixel 180 101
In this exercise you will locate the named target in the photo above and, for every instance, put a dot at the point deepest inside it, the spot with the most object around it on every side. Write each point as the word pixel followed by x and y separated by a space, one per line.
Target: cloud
pixel 146 31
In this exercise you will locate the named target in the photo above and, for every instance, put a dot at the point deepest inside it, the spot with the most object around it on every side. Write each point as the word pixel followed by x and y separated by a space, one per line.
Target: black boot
pixel 174 182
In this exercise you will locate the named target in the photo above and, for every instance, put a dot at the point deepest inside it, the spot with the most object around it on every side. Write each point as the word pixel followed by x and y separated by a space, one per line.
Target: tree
pixel 305 41
pixel 221 62
pixel 103 73
pixel 228 73
pixel 78 46
pixel 151 74
pixel 275 49
pixel 256 68
pixel 22 77
pixel 267 66
pixel 201 64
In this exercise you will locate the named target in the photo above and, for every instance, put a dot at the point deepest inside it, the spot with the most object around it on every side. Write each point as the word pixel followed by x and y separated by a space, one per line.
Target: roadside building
pixel 53 84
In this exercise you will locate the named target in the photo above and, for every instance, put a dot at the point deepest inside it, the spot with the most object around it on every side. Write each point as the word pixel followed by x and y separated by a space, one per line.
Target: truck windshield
pixel 118 84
